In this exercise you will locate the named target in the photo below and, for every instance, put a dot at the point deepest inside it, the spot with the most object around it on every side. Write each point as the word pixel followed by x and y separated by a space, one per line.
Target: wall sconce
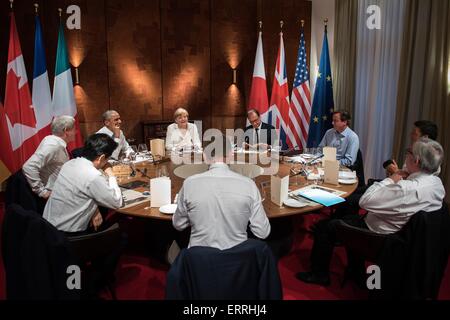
pixel 234 76
pixel 76 76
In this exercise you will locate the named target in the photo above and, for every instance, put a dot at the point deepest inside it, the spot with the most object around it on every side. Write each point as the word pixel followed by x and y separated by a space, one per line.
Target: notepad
pixel 320 196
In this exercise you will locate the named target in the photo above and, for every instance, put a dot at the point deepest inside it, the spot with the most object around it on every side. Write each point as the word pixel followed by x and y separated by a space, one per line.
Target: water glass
pixel 142 148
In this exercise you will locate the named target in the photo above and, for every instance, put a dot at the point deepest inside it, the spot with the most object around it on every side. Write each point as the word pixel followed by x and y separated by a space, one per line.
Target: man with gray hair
pixel 42 168
pixel 389 203
pixel 112 122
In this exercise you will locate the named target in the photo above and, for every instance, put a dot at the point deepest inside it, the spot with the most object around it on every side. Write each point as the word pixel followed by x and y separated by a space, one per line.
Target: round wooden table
pixel 272 210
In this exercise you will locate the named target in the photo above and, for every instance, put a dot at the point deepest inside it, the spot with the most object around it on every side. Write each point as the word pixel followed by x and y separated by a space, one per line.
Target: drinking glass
pixel 162 172
pixel 142 148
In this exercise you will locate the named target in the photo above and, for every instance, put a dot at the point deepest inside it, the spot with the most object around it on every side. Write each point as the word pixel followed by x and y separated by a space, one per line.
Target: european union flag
pixel 323 103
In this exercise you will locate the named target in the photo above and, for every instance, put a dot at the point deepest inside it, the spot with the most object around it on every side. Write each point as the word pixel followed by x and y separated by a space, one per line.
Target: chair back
pixel 92 246
pixel 246 271
pixel 19 192
pixel 358 166
pixel 36 257
pixel 361 242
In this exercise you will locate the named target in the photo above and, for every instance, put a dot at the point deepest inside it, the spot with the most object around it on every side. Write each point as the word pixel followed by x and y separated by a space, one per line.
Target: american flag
pixel 300 107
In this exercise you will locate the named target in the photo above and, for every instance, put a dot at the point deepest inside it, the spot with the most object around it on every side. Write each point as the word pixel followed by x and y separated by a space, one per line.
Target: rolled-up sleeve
pixel 32 168
pixel 106 192
pixel 180 219
pixel 259 223
pixel 351 153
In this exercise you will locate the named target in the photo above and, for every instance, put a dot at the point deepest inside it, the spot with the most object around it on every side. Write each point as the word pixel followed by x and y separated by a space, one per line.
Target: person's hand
pixel 46 195
pixel 245 146
pixel 262 146
pixel 403 174
pixel 392 168
pixel 96 220
pixel 396 177
pixel 108 170
pixel 116 130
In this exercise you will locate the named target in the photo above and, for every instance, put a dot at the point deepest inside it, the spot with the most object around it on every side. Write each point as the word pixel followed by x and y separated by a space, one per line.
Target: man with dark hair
pixel 341 137
pixel 259 134
pixel 83 184
pixel 219 204
pixel 112 124
pixel 421 129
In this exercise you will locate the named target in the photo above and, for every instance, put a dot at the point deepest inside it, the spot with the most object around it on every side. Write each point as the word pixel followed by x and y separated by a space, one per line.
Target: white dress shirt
pixel 42 168
pixel 177 138
pixel 390 205
pixel 78 191
pixel 346 144
pixel 218 205
pixel 123 146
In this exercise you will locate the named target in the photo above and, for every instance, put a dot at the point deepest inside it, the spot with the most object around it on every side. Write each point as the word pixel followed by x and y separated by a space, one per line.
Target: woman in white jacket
pixel 182 134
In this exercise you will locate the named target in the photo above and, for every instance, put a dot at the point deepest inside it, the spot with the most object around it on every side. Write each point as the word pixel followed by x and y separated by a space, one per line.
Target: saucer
pixel 168 208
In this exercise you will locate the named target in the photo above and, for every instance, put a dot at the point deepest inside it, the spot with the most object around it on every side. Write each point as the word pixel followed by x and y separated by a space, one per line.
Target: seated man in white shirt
pixel 219 204
pixel 112 122
pixel 42 168
pixel 390 204
pixel 82 186
pixel 341 137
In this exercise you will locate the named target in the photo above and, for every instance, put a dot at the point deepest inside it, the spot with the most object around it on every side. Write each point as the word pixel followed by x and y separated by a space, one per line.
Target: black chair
pixel 36 258
pixel 358 166
pixel 361 242
pixel 412 260
pixel 19 192
pixel 94 247
pixel 247 271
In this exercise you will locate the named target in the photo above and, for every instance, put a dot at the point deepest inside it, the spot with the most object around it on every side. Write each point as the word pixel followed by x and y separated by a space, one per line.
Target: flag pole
pixel 303 23
pixel 60 14
pixel 260 25
pixel 36 8
pixel 11 4
pixel 326 24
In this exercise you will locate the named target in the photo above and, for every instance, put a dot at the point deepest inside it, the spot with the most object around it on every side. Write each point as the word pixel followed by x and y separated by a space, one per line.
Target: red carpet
pixel 142 278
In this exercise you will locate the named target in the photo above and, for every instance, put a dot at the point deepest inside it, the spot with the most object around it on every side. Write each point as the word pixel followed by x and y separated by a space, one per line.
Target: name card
pixel 160 192
pixel 157 147
pixel 279 189
pixel 329 154
pixel 331 169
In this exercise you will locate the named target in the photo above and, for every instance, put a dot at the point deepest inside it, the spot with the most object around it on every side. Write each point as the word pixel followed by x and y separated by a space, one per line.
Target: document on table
pixel 132 198
pixel 325 196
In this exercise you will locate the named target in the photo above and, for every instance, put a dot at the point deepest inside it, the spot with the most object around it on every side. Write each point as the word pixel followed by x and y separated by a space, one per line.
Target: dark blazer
pixel 267 135
pixel 413 260
pixel 36 256
pixel 246 271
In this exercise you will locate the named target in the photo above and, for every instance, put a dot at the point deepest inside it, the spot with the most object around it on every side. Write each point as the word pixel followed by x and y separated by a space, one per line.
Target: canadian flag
pixel 18 121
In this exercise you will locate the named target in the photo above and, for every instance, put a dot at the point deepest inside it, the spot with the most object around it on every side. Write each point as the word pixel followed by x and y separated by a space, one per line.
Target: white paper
pixel 329 154
pixel 279 189
pixel 331 169
pixel 160 192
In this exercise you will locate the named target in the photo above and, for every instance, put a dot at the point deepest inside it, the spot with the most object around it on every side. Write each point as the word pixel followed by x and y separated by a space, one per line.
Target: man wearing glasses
pixel 389 203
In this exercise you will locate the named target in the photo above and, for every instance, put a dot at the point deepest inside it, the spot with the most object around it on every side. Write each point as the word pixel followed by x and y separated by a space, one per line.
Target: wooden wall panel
pixel 134 61
pixel 234 35
pixel 186 58
pixel 147 58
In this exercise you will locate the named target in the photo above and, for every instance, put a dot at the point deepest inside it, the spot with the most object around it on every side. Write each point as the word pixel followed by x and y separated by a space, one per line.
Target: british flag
pixel 300 110
pixel 279 102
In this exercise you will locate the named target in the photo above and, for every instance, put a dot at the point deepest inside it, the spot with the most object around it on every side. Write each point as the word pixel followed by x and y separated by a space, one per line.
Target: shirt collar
pixel 416 175
pixel 108 131
pixel 218 165
pixel 259 127
pixel 344 133
pixel 60 141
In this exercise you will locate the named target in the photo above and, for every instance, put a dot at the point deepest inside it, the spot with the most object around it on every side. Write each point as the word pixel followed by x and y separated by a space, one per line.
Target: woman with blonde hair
pixel 182 134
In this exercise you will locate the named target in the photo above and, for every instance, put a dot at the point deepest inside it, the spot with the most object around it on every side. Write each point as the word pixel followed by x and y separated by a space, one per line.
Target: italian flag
pixel 63 97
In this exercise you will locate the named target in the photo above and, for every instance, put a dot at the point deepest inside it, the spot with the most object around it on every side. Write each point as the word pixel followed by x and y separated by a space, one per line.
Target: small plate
pixel 348 181
pixel 294 203
pixel 168 208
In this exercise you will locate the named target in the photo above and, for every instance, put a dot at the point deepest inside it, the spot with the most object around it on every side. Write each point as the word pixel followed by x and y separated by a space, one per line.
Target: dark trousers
pixel 325 240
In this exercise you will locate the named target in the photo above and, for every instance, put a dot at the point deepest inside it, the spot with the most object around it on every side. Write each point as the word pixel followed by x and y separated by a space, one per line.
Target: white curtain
pixel 377 74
